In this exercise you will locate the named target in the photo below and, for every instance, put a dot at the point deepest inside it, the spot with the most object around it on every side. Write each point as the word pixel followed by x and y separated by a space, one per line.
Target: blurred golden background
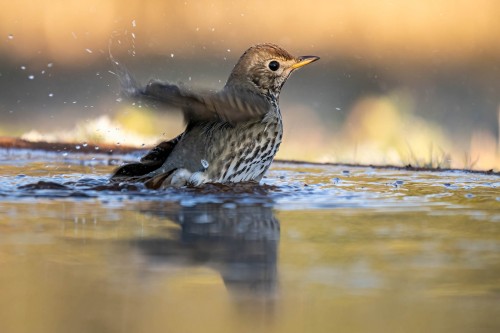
pixel 406 82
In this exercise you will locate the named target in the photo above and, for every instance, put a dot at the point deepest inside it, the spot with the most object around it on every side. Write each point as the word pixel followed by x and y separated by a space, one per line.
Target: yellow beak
pixel 304 60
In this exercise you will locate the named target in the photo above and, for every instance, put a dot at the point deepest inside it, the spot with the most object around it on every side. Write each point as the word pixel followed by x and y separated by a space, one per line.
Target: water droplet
pixel 133 35
pixel 171 55
pixel 213 29
pixel 189 78
pixel 43 71
pixel 96 148
pixel 133 23
pixel 51 95
pixel 85 144
pixel 65 154
pixel 230 205
pixel 74 102
pixel 10 36
pixel 31 77
pixel 228 50
pixel 77 147
pixel 338 109
pixel 117 143
pixel 50 64
pixel 23 68
pixel 397 183
pixel 88 50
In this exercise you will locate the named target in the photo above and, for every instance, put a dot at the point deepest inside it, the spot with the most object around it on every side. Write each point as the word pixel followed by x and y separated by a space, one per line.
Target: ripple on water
pixel 287 186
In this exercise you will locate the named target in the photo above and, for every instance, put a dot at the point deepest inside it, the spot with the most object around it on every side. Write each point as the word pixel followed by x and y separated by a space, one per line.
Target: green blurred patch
pixel 150 122
pixel 139 120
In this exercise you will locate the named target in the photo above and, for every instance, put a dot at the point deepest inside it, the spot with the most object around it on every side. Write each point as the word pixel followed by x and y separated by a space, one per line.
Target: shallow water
pixel 313 249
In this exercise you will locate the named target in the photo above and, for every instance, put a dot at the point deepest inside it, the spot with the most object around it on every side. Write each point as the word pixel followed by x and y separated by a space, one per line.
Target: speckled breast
pixel 245 152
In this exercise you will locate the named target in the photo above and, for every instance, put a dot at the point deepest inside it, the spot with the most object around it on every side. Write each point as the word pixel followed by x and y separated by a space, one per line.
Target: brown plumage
pixel 231 135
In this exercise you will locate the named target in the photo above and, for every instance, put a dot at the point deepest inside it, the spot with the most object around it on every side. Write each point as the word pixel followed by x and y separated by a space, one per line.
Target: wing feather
pixel 231 105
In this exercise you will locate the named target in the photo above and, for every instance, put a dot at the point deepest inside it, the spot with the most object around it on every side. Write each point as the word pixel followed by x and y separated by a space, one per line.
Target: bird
pixel 231 135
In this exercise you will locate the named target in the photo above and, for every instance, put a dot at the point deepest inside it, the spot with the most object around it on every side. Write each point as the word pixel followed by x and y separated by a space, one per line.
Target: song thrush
pixel 231 135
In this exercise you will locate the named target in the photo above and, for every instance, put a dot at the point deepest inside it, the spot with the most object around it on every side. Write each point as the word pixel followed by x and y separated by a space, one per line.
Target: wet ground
pixel 314 248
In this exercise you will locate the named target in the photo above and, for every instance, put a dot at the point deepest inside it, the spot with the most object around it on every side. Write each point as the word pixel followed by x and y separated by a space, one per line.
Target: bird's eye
pixel 274 65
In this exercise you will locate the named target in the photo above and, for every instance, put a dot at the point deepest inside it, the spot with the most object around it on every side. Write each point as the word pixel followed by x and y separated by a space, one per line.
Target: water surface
pixel 314 248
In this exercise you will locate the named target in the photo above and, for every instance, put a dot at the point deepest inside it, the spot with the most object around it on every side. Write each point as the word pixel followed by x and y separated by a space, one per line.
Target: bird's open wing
pixel 231 105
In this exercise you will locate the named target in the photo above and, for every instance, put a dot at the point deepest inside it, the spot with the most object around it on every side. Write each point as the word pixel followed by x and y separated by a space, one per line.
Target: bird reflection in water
pixel 239 241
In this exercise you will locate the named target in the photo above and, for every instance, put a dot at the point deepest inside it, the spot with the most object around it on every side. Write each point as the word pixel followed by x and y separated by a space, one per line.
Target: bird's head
pixel 265 67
